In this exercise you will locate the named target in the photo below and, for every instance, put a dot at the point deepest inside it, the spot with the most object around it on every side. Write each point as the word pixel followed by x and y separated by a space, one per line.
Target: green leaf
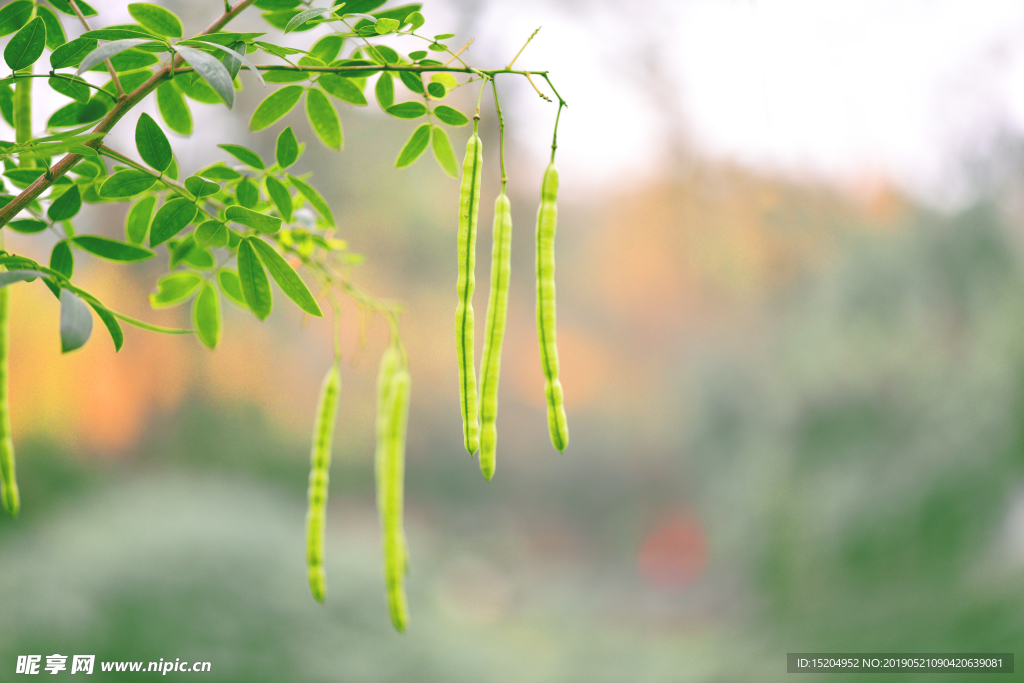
pixel 275 106
pixel 112 249
pixel 408 110
pixel 110 322
pixel 382 54
pixel 152 144
pixel 231 286
pixel 253 219
pixel 301 18
pixel 327 48
pixel 108 50
pixel 159 20
pixel 314 198
pixel 54 31
pixel 7 103
pixel 385 90
pixel 286 277
pixel 200 90
pixel 443 151
pixel 277 50
pixel 211 234
pixel 26 46
pixel 172 170
pixel 61 259
pixel 200 187
pixel 136 223
pixel 453 117
pixel 173 109
pixel 436 90
pixel 437 47
pixel 287 152
pixel 281 197
pixel 324 119
pixel 234 54
pixel 285 76
pixel 210 68
pixel 401 14
pixel 174 288
pixel 14 15
pixel 75 88
pixel 415 19
pixel 417 55
pixel 23 177
pixel 416 145
pixel 65 7
pixel 129 60
pixel 359 6
pixel 72 52
pixel 254 282
pixel 247 194
pixel 219 171
pixel 444 36
pixel 75 321
pixel 126 32
pixel 127 183
pixel 65 206
pixel 245 155
pixel 384 26
pixel 27 226
pixel 413 81
pixel 206 316
pixel 171 219
pixel 342 88
pixel 186 250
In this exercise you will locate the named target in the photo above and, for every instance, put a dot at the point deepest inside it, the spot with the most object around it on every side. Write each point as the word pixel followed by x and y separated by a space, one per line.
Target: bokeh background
pixel 791 326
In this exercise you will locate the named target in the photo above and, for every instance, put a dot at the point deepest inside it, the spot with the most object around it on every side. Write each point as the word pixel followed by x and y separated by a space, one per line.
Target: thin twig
pixel 110 67
pixel 522 48
pixel 461 50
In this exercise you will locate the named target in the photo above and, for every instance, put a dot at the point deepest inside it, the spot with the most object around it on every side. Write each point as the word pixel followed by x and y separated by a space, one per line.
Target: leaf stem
pixel 501 134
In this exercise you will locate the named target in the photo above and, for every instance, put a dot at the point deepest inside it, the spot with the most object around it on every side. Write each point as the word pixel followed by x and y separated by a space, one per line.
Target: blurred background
pixel 791 328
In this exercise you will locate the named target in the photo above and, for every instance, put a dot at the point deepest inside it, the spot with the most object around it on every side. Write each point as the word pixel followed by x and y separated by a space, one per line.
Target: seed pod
pixel 392 415
pixel 11 499
pixel 546 220
pixel 494 332
pixel 469 209
pixel 320 464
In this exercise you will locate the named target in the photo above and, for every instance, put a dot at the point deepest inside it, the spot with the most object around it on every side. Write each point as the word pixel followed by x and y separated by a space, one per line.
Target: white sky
pixel 898 89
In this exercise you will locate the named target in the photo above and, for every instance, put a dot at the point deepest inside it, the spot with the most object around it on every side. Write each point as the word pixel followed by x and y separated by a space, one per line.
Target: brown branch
pixel 113 116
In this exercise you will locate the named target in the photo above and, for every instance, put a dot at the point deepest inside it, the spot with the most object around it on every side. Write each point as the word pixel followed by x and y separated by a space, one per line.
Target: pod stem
pixel 501 129
pixel 561 103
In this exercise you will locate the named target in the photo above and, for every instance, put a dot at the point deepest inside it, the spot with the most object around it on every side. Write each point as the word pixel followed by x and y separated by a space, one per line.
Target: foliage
pixel 231 228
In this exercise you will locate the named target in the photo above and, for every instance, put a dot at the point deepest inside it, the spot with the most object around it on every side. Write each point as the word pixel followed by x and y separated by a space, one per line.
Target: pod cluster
pixel 479 416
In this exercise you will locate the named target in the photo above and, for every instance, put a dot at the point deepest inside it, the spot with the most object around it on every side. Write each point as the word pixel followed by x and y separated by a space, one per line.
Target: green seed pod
pixel 12 501
pixel 497 312
pixel 546 220
pixel 469 209
pixel 392 416
pixel 320 464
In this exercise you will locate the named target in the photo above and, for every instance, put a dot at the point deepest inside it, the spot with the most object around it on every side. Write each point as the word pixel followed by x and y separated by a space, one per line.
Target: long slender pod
pixel 546 220
pixel 389 364
pixel 320 464
pixel 12 501
pixel 469 209
pixel 391 421
pixel 494 332
pixel 8 481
